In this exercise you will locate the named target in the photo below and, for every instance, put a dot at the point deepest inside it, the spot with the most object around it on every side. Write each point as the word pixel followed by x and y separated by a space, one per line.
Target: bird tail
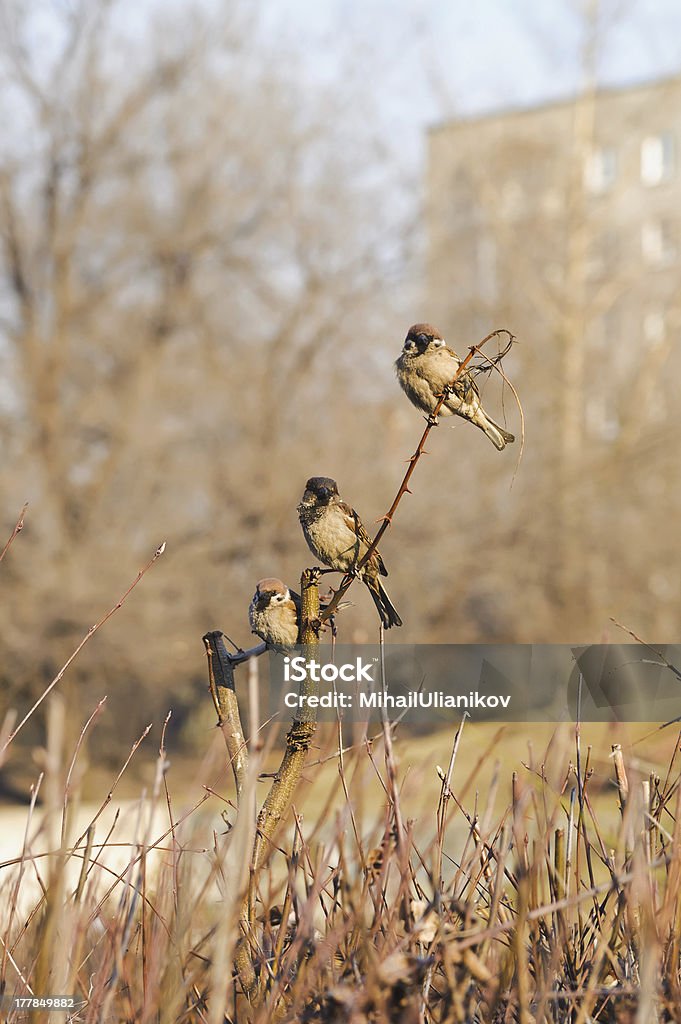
pixel 384 605
pixel 497 435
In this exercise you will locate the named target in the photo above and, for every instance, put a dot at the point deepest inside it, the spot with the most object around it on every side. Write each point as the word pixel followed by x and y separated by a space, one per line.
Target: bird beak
pixel 261 602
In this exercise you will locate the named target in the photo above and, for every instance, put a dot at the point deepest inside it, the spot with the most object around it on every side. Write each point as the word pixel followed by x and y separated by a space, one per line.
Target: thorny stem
pixel 403 489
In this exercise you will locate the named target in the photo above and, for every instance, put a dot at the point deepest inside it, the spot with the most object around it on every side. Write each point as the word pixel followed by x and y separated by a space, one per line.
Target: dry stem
pixel 280 797
pixel 221 682
pixel 18 527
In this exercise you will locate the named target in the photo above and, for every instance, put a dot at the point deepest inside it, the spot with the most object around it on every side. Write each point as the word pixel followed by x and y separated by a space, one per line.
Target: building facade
pixel 563 222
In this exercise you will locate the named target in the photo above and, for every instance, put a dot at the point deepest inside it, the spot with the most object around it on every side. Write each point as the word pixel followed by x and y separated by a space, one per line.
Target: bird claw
pixel 330 623
pixel 432 421
pixel 316 572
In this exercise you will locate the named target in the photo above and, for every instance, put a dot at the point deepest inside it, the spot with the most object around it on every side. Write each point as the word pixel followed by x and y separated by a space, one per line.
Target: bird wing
pixel 296 598
pixel 354 523
pixel 442 369
pixel 464 386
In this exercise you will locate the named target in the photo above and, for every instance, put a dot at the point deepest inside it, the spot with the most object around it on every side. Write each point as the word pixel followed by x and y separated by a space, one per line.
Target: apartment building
pixel 563 222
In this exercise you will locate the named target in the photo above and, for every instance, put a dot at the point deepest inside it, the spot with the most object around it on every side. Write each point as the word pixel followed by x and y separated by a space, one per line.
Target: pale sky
pixel 422 60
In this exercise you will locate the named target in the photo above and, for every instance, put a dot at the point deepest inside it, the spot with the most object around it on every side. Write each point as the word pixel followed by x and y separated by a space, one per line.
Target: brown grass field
pixel 519 873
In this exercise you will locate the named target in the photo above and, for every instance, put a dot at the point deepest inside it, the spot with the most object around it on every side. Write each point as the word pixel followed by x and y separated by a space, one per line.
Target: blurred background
pixel 217 221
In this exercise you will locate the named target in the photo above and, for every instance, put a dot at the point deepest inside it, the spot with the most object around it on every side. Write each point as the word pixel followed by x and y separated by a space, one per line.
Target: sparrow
pixel 426 366
pixel 274 613
pixel 336 536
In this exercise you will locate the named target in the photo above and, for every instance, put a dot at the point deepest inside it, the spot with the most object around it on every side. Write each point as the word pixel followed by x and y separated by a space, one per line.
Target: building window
pixel 654 328
pixel 658 243
pixel 600 170
pixel 657 159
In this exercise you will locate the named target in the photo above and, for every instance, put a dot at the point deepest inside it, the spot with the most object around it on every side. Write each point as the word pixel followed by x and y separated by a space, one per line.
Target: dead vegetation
pixel 551 894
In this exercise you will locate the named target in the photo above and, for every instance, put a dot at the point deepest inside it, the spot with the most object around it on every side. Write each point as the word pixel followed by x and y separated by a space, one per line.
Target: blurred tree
pixel 192 242
pixel 198 242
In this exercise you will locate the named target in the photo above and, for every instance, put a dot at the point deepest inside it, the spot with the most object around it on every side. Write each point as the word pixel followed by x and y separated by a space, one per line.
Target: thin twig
pixel 92 630
pixel 495 364
pixel 667 664
pixel 394 795
pixel 445 793
pixel 67 783
pixel 163 761
pixel 15 532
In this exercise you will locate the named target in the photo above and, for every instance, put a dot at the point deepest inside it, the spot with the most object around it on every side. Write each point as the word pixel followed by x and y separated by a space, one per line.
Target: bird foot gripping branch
pixel 316 573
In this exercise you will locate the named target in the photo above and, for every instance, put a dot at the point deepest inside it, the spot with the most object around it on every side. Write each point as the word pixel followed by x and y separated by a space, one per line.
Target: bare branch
pixel 91 632
pixel 221 681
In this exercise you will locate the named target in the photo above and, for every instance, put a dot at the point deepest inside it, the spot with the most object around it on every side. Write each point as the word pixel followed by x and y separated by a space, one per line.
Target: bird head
pixel 422 337
pixel 320 490
pixel 270 591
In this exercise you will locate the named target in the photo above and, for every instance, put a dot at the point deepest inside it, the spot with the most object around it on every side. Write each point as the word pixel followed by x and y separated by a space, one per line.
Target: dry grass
pixel 536 885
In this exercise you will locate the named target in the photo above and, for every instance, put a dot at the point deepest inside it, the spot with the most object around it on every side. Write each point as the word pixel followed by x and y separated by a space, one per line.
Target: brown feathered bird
pixel 336 536
pixel 426 366
pixel 274 613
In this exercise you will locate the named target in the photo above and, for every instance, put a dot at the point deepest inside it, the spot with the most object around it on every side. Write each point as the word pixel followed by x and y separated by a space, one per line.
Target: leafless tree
pixel 191 242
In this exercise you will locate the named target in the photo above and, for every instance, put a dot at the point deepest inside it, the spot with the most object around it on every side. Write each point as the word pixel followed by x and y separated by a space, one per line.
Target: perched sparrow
pixel 274 613
pixel 426 366
pixel 335 536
